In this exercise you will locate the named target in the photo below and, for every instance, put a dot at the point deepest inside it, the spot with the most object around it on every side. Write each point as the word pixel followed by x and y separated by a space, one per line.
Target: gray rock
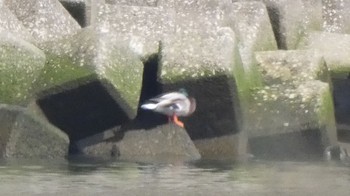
pixel 26 136
pixel 9 23
pixel 334 47
pixel 46 20
pixel 209 67
pixel 20 65
pixel 162 143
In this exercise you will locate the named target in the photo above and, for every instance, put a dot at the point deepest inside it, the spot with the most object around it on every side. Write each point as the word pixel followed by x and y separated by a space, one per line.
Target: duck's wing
pixel 168 103
pixel 162 101
pixel 168 97
pixel 173 105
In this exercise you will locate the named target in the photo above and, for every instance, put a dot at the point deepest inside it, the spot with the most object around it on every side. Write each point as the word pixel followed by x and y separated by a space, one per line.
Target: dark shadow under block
pixel 217 111
pixel 83 111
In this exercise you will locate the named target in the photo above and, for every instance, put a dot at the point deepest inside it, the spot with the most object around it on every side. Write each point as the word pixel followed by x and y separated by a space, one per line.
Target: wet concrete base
pixel 232 146
pixel 303 145
pixel 165 142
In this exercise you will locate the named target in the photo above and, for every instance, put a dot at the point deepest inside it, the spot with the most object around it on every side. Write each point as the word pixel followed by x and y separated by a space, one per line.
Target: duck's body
pixel 172 104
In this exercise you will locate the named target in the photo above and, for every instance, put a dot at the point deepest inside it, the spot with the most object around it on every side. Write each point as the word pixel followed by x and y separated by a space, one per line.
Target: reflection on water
pixel 200 178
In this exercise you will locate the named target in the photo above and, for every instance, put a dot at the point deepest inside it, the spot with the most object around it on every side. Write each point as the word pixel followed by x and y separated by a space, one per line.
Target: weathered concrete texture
pixel 336 15
pixel 196 16
pixel 296 103
pixel 45 19
pixel 287 19
pixel 209 67
pixel 20 65
pixel 95 56
pixel 202 55
pixel 291 67
pixel 292 113
pixel 251 22
pixel 141 27
pixel 25 136
pixel 313 13
pixel 9 23
pixel 166 143
pixel 335 48
pixel 279 109
pixel 133 2
pixel 232 146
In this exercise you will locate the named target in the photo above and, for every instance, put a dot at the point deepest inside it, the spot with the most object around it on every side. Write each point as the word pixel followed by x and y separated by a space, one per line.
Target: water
pixel 200 178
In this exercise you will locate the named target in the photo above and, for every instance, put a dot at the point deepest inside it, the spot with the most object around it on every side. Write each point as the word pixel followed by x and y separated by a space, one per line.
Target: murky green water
pixel 200 178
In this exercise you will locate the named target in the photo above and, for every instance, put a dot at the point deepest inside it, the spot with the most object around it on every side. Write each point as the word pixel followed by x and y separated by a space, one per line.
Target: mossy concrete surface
pixel 295 102
pixel 94 56
pixel 22 135
pixel 251 22
pixel 20 65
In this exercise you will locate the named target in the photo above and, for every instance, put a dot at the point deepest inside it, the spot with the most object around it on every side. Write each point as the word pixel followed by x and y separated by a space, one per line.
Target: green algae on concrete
pixel 325 113
pixel 20 65
pixel 280 109
pixel 291 123
pixel 252 25
pixel 94 56
pixel 58 71
pixel 293 112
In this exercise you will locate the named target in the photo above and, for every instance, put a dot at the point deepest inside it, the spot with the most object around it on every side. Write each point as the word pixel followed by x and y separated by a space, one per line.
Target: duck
pixel 172 104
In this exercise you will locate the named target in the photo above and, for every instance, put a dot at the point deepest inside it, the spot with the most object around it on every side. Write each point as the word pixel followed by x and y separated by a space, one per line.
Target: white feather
pixel 149 106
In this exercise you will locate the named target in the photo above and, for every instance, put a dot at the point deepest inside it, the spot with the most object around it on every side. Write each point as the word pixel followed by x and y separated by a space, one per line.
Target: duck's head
pixel 192 106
